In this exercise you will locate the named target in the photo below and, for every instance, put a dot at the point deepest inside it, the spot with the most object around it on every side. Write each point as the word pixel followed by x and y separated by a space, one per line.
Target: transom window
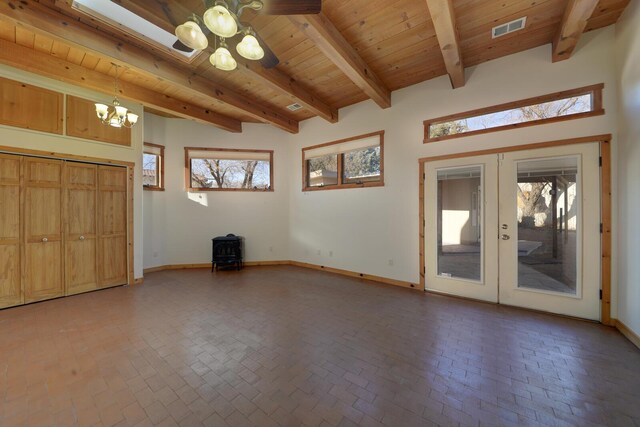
pixel 153 167
pixel 220 169
pixel 567 105
pixel 347 163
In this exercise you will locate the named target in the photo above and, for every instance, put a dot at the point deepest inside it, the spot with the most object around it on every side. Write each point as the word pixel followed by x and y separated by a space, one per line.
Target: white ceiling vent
pixel 509 27
pixel 294 107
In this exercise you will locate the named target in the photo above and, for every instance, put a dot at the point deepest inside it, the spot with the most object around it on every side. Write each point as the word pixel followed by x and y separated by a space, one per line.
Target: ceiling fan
pixel 222 18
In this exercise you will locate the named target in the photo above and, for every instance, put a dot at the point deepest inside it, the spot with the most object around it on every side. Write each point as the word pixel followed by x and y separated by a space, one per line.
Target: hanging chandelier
pixel 224 23
pixel 115 115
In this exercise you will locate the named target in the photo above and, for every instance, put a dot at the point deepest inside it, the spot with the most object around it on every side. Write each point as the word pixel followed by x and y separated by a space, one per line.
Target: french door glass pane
pixel 548 221
pixel 460 222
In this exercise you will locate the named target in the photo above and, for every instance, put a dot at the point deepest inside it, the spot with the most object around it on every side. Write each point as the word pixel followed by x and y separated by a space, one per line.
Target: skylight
pixel 115 14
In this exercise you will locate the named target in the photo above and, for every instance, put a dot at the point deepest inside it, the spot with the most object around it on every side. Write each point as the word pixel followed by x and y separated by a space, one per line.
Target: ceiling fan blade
pixel 178 45
pixel 291 7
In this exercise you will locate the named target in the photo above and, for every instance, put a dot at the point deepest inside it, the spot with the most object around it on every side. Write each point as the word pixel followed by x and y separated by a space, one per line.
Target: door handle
pixel 45 240
pixel 81 237
pixel 505 237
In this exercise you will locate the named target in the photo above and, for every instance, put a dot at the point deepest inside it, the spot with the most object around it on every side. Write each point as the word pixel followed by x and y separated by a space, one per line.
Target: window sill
pixel 147 188
pixel 345 186
pixel 247 190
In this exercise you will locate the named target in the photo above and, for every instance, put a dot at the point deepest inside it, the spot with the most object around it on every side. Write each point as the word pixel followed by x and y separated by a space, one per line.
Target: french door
pixel 520 228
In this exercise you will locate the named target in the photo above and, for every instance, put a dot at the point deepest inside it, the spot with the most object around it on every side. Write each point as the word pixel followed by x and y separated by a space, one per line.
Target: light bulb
pixel 250 48
pixel 121 112
pixel 102 110
pixel 220 22
pixel 223 60
pixel 133 118
pixel 192 36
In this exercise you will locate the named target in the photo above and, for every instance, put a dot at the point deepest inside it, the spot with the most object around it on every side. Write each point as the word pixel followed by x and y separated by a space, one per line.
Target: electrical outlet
pixel 319 252
pixel 270 248
pixel 155 254
pixel 391 262
pixel 330 253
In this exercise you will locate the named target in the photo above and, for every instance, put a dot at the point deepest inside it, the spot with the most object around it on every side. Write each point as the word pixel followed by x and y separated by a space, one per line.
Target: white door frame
pixel 605 206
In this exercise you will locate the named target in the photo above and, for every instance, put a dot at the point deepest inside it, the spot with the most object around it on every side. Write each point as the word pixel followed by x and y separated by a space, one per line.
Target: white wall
pixel 366 228
pixel 14 137
pixel 179 225
pixel 628 170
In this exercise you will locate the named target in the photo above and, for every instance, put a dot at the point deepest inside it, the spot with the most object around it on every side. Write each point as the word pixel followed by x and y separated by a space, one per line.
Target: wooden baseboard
pixel 348 273
pixel 175 267
pixel 264 263
pixel 208 265
pixel 138 281
pixel 371 277
pixel 628 333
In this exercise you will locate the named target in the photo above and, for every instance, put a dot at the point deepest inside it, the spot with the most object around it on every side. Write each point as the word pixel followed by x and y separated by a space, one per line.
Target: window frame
pixel 160 166
pixel 340 169
pixel 187 169
pixel 597 110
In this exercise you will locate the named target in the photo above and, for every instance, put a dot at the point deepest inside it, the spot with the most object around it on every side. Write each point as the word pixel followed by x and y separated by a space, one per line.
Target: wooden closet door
pixel 112 252
pixel 10 277
pixel 81 227
pixel 43 261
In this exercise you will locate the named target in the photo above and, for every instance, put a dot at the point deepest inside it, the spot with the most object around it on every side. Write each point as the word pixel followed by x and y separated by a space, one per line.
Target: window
pixel 347 163
pixel 153 167
pixel 220 169
pixel 567 105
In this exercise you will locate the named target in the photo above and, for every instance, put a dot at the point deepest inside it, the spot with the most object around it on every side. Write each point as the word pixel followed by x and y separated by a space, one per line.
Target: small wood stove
pixel 227 251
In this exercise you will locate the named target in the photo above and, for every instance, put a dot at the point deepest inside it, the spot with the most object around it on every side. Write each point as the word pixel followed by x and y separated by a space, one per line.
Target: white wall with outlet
pixel 179 225
pixel 367 230
pixel 375 230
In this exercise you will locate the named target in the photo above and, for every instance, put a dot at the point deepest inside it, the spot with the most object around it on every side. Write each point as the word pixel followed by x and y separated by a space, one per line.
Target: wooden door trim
pixel 605 205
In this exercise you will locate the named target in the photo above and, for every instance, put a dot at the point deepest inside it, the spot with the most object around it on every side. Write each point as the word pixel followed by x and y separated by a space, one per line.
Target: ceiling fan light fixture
pixel 222 59
pixel 191 35
pixel 219 20
pixel 249 48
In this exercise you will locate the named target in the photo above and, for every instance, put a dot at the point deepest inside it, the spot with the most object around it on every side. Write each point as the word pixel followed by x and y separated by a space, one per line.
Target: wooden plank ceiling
pixel 354 50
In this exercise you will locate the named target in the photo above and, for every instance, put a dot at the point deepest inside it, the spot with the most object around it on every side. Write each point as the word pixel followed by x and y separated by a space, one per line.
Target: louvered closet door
pixel 112 208
pixel 43 262
pixel 10 278
pixel 81 227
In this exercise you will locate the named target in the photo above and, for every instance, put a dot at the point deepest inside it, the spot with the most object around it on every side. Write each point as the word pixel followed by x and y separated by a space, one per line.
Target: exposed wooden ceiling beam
pixel 280 82
pixel 444 22
pixel 46 65
pixel 573 23
pixel 328 39
pixel 170 13
pixel 43 20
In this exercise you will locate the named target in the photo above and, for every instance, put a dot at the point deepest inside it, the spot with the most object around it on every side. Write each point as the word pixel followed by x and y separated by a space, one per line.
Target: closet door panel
pixel 44 275
pixel 81 228
pixel 113 262
pixel 81 272
pixel 43 279
pixel 112 254
pixel 10 278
